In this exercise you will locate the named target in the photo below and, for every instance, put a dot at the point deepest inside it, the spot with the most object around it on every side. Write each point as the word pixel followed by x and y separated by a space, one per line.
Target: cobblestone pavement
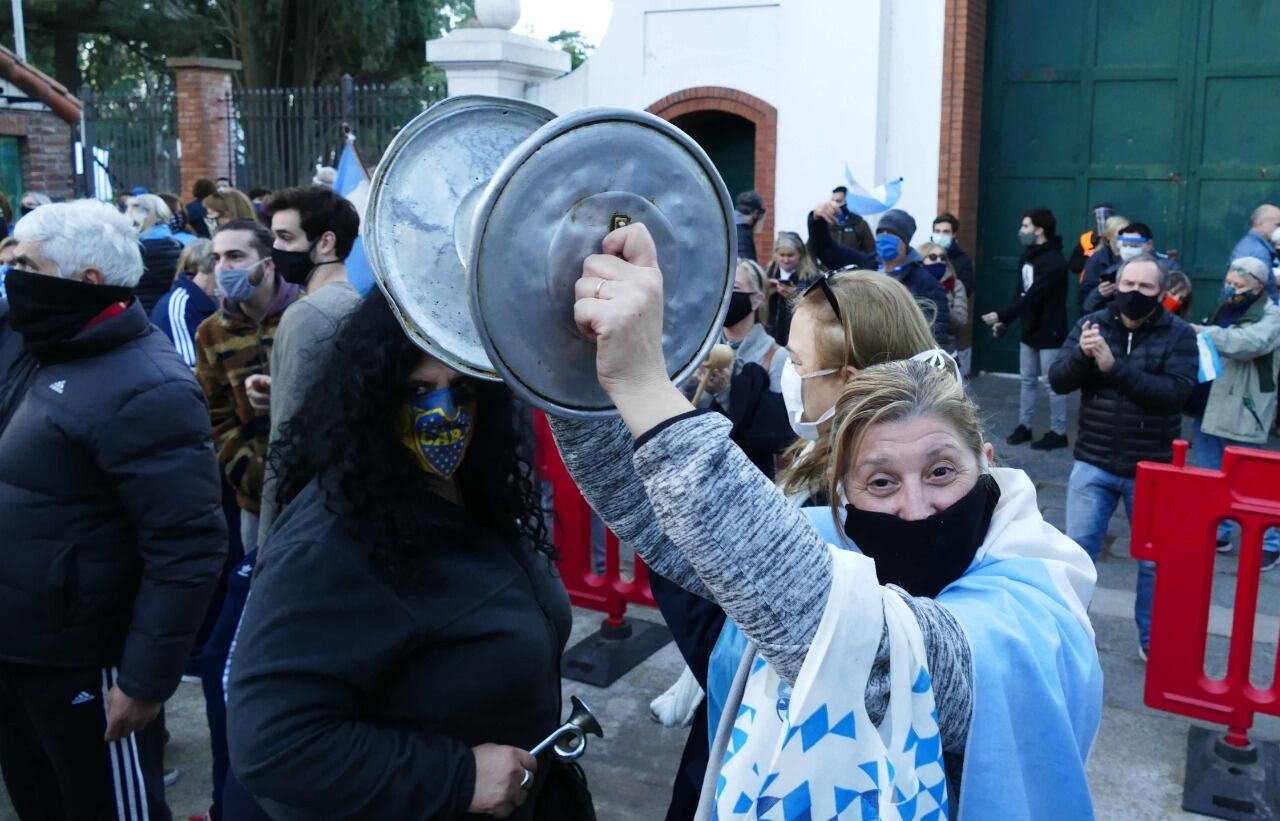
pixel 1137 763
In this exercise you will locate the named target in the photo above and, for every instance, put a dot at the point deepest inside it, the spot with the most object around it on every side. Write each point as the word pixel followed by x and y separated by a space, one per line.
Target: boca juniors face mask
pixel 436 431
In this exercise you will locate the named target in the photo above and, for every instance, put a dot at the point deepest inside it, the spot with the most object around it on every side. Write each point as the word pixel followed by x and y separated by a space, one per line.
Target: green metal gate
pixel 1167 109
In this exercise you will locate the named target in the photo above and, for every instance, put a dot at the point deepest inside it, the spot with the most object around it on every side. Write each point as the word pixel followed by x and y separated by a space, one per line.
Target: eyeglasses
pixel 935 257
pixel 821 282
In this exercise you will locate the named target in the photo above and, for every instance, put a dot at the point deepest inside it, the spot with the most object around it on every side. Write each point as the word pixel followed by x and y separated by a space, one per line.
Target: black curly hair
pixel 344 434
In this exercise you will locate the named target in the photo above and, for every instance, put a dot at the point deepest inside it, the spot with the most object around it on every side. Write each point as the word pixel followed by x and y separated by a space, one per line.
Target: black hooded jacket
pixel 1041 303
pixel 110 501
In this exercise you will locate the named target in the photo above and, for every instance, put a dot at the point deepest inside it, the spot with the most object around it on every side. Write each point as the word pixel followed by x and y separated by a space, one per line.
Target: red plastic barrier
pixel 571 532
pixel 1175 518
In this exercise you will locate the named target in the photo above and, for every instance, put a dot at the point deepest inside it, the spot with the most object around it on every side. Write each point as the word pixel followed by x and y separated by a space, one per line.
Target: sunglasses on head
pixel 821 282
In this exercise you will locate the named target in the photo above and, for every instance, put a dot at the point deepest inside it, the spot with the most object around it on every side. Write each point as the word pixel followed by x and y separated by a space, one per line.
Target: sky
pixel 543 18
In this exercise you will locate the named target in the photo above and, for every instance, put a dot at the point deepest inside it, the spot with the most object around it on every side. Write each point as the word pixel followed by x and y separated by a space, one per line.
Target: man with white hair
pixel 1258 242
pixel 1238 407
pixel 113 530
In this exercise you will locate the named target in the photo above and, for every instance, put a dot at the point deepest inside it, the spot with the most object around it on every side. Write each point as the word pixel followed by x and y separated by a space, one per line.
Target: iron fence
pixel 134 139
pixel 280 135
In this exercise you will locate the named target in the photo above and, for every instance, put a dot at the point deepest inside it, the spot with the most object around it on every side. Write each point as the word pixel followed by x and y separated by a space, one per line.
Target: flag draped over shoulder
pixel 352 182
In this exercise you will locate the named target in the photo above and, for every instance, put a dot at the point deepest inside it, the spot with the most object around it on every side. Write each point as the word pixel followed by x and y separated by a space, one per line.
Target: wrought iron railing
pixel 135 139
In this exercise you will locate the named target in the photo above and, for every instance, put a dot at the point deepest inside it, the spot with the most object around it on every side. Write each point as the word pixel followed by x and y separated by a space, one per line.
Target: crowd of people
pixel 219 460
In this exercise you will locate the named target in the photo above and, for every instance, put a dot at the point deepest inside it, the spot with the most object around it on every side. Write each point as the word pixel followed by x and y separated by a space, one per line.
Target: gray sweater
pixel 701 515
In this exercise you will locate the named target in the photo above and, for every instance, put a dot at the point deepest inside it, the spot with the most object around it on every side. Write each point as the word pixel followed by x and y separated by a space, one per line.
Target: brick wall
pixel 202 88
pixel 45 142
pixel 765 118
pixel 964 51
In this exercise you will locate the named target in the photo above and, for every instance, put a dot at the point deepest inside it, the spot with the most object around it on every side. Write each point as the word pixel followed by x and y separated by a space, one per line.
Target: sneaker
pixel 1270 561
pixel 1142 652
pixel 1020 434
pixel 1050 441
pixel 170 776
pixel 1223 545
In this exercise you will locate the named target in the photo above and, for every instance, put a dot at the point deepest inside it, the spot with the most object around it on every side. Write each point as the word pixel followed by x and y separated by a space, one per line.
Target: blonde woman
pixel 224 206
pixel 850 320
pixel 160 251
pixel 1099 272
pixel 791 270
pixel 954 556
pixel 938 263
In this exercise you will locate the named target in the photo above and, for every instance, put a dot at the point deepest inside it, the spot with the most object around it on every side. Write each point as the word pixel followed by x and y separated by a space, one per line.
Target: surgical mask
pixel 211 224
pixel 887 247
pixel 1128 252
pixel 793 398
pixel 941 239
pixel 234 283
pixel 1134 305
pixel 1275 237
pixel 924 556
pixel 1171 303
pixel 436 431
pixel 1027 238
pixel 739 308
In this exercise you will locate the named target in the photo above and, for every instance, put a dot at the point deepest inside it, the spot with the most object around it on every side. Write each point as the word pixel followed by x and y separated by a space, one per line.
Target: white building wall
pixel 856 81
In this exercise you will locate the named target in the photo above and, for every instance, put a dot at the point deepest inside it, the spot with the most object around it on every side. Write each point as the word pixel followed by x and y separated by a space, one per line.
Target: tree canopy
pixel 118 45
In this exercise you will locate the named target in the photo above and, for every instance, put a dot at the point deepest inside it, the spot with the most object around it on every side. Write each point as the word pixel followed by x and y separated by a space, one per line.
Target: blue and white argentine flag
pixel 1210 363
pixel 352 182
pixel 863 202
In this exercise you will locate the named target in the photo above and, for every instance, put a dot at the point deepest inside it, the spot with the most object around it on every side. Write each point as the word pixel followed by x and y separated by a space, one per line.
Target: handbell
pixel 571 739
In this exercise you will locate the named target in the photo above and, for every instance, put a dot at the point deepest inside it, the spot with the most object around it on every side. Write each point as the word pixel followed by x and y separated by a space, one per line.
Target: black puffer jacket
pixel 159 266
pixel 1040 300
pixel 110 505
pixel 1132 413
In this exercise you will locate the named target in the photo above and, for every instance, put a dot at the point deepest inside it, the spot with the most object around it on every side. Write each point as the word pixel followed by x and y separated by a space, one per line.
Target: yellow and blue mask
pixel 436 431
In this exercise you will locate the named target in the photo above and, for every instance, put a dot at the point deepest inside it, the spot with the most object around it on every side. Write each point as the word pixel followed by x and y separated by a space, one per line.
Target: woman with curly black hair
pixel 400 649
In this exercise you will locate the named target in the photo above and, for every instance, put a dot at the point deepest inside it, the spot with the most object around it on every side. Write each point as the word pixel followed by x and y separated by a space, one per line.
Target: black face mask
pixel 1133 305
pixel 49 310
pixel 25 209
pixel 294 266
pixel 924 556
pixel 739 308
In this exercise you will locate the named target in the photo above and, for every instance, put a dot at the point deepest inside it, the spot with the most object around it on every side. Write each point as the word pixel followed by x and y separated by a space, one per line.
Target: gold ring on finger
pixel 599 285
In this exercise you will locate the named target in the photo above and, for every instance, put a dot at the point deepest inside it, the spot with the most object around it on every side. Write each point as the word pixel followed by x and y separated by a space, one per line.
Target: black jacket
pixel 746 242
pixel 1042 307
pixel 196 213
pixel 351 698
pixel 853 233
pixel 961 261
pixel 1132 413
pixel 111 505
pixel 919 282
pixel 159 266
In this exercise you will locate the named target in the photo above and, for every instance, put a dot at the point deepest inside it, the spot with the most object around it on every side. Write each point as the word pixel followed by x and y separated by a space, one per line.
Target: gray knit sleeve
pixel 598 456
pixel 770 569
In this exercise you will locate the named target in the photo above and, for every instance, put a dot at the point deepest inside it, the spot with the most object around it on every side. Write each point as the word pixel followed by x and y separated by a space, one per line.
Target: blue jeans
pixel 1206 452
pixel 1033 368
pixel 1092 494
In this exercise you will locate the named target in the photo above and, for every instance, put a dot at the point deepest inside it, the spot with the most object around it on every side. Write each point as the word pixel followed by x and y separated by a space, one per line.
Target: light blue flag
pixel 352 182
pixel 863 202
pixel 1210 362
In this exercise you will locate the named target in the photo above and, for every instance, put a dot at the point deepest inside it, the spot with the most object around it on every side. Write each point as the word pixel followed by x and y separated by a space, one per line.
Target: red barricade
pixel 571 532
pixel 1175 518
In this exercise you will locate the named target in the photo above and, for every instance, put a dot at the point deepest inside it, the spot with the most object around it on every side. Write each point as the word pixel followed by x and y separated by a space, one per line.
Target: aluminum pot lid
pixel 418 219
pixel 548 207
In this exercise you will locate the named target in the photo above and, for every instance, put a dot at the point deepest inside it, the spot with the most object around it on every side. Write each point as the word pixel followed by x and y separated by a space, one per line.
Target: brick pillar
pixel 964 49
pixel 203 84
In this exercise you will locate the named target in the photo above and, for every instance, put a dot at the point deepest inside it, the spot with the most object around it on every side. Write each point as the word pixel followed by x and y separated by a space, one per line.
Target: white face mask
pixel 1275 237
pixel 1128 252
pixel 941 239
pixel 793 398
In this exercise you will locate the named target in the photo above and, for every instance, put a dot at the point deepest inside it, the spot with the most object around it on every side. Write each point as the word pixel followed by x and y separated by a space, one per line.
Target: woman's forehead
pixel 909 440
